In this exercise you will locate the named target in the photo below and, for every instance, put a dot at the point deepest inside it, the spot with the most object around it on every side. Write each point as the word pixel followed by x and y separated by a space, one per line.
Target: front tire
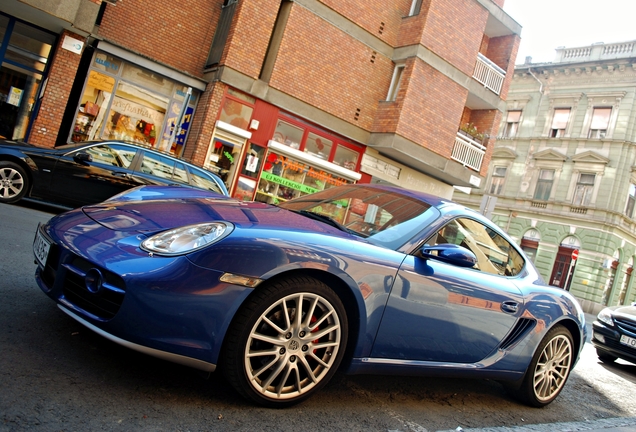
pixel 549 369
pixel 286 342
pixel 14 182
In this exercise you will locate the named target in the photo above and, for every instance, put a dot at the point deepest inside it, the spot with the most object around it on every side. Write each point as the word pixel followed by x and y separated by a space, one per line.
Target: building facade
pixel 280 98
pixel 562 179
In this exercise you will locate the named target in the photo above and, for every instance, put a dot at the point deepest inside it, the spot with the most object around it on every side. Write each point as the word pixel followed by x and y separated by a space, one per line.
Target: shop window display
pixel 288 134
pixel 236 114
pixel 318 146
pixel 284 178
pixel 124 102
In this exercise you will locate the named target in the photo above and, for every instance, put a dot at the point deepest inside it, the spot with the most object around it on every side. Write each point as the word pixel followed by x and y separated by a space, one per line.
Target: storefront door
pixel 24 54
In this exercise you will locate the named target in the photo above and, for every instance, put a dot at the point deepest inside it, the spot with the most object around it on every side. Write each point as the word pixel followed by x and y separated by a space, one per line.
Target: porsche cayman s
pixel 367 279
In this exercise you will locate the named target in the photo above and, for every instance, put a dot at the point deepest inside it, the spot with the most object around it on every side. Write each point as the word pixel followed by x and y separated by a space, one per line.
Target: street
pixel 57 375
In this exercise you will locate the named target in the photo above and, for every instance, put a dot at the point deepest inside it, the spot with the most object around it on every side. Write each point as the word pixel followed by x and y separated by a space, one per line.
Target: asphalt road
pixel 56 375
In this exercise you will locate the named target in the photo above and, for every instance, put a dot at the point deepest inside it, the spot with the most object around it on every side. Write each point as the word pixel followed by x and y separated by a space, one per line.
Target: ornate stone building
pixel 562 179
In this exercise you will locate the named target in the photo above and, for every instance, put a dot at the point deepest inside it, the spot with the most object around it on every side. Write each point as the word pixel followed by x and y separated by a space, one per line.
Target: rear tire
pixel 549 369
pixel 605 357
pixel 14 182
pixel 277 357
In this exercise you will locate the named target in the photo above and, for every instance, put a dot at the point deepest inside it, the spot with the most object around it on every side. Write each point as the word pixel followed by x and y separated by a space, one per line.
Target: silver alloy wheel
pixel 552 368
pixel 11 183
pixel 292 346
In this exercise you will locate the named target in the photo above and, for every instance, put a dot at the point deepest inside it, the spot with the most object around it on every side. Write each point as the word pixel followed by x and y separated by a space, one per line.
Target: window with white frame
pixel 395 82
pixel 544 184
pixel 415 7
pixel 512 124
pixel 631 200
pixel 559 122
pixel 497 180
pixel 600 123
pixel 584 189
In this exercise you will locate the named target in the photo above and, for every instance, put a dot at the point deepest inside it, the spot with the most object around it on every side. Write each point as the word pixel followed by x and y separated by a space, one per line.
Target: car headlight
pixel 605 316
pixel 186 239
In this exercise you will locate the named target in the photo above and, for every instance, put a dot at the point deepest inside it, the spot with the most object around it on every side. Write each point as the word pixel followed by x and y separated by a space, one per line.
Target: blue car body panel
pixel 412 315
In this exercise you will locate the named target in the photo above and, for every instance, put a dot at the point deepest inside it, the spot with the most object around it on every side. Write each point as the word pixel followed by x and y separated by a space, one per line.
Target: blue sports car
pixel 366 278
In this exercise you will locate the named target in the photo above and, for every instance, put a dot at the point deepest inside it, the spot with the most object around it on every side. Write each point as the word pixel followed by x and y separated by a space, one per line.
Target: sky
pixel 548 24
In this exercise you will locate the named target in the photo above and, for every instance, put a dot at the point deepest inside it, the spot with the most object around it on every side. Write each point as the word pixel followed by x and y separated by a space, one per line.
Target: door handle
pixel 509 307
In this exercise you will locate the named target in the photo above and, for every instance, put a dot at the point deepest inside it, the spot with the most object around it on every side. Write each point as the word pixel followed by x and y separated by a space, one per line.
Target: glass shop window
pixel 288 134
pixel 346 157
pixel 236 113
pixel 318 146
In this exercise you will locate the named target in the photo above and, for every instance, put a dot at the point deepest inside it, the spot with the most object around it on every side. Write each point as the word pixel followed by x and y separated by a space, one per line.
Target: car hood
pixel 162 214
pixel 625 310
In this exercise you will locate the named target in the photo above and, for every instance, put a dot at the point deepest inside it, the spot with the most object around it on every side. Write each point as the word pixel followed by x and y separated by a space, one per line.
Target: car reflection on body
pixel 367 278
pixel 614 334
pixel 86 173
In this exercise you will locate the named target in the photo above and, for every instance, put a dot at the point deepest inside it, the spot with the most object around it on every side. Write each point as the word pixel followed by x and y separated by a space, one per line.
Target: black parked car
pixel 85 173
pixel 614 334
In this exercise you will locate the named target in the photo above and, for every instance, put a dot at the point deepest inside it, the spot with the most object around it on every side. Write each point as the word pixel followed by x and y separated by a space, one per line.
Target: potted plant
pixel 470 130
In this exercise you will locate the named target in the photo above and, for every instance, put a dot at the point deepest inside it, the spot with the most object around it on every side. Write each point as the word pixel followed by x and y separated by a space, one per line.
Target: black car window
pixel 202 180
pixel 112 154
pixel 494 254
pixel 157 165
pixel 180 175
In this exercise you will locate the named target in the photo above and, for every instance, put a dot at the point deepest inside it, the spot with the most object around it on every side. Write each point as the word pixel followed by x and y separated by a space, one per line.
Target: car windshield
pixel 384 217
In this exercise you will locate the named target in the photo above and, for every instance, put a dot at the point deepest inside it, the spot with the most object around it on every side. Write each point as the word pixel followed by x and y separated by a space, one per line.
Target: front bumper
pixel 607 339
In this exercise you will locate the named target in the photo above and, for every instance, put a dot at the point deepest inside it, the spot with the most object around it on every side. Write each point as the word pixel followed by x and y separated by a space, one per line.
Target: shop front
pixel 267 155
pixel 128 98
pixel 25 51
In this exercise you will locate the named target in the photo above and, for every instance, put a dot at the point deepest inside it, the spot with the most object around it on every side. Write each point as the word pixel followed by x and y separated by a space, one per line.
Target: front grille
pixel 627 325
pixel 519 331
pixel 103 304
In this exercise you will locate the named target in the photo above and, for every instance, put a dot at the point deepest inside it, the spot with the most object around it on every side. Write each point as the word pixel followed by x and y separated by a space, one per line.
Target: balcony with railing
pixel 489 74
pixel 468 152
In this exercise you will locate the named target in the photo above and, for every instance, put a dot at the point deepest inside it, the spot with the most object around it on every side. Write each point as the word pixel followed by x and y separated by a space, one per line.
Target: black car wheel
pixel 605 357
pixel 14 182
pixel 549 369
pixel 286 342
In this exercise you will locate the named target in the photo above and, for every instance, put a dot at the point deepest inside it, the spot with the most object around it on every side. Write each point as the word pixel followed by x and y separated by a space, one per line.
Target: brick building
pixel 280 98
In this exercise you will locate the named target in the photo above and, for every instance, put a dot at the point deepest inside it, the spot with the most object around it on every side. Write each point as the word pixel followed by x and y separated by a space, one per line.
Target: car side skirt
pixel 174 358
pixel 384 366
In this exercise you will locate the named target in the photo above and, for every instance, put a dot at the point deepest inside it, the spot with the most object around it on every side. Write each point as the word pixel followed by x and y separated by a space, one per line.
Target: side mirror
pixel 82 157
pixel 449 253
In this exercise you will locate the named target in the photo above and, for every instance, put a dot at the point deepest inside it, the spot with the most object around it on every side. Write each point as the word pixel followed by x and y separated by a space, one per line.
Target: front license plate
pixel 630 342
pixel 41 247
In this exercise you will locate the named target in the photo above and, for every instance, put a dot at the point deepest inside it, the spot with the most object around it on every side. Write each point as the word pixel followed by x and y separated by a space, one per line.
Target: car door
pixel 441 312
pixel 92 174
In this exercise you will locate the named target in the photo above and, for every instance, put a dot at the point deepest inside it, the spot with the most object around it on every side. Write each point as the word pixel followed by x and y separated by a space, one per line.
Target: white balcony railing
pixel 489 74
pixel 468 152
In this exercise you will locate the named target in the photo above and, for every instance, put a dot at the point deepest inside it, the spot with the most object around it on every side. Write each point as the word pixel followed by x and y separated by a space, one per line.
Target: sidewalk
pixel 603 425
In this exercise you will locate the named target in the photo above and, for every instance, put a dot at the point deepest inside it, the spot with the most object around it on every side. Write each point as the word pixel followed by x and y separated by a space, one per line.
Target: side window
pixel 494 254
pixel 203 181
pixel 631 200
pixel 497 180
pixel 600 123
pixel 395 82
pixel 115 155
pixel 512 124
pixel 544 185
pixel 559 122
pixel 584 189
pixel 157 165
pixel 180 175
